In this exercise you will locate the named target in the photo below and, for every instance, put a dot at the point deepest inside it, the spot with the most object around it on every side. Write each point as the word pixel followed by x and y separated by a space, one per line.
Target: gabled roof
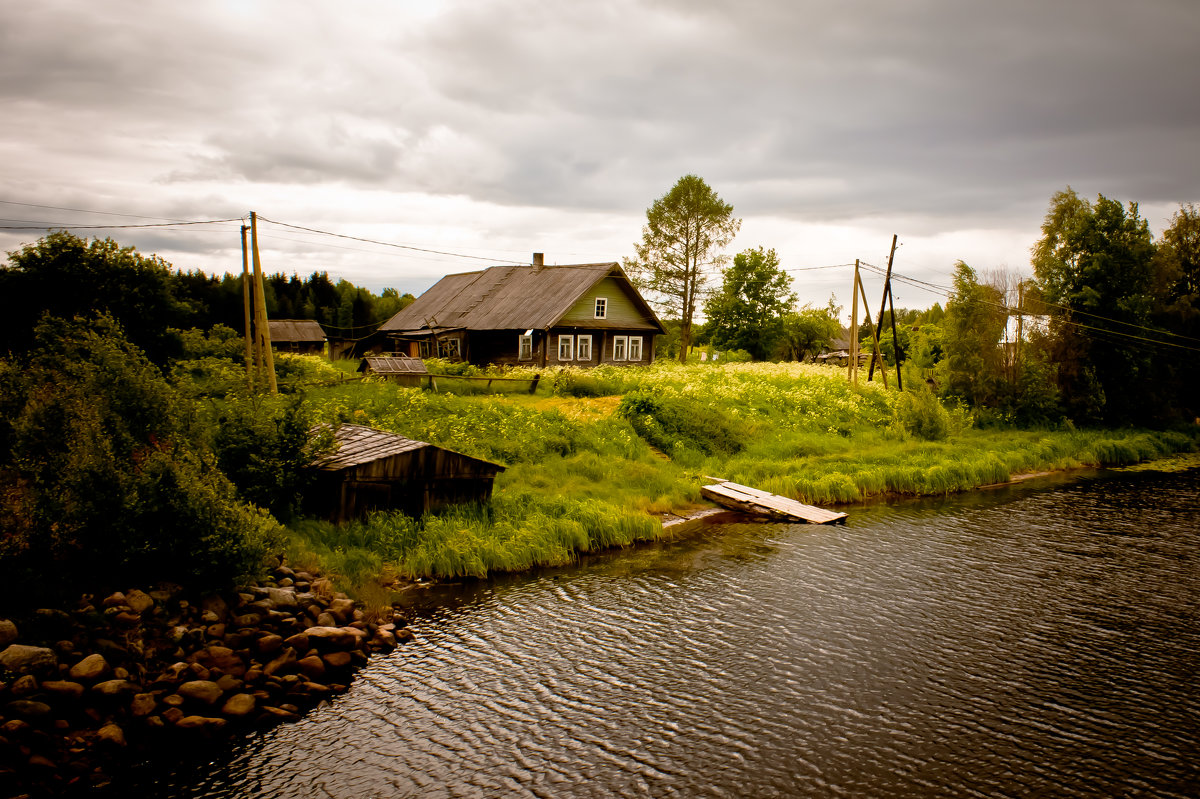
pixel 295 330
pixel 509 298
pixel 356 445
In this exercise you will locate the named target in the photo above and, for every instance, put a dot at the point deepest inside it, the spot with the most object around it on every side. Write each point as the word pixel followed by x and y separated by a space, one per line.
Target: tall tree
pixel 685 231
pixel 747 313
pixel 1095 267
pixel 808 330
pixel 971 329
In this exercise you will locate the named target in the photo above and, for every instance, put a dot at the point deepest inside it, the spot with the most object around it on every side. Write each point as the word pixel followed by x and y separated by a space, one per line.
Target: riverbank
pixel 86 691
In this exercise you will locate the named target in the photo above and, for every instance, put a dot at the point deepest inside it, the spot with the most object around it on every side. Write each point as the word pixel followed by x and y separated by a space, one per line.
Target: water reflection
pixel 1037 640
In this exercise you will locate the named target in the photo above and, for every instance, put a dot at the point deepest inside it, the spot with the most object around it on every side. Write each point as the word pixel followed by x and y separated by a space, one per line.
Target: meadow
pixel 597 456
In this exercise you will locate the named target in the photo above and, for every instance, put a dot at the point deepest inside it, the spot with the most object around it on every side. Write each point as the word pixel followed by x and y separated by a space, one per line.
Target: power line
pixel 60 226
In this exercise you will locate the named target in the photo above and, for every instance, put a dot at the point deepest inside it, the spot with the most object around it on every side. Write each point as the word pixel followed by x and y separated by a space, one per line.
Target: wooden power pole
pixel 883 303
pixel 262 328
pixel 250 359
pixel 857 291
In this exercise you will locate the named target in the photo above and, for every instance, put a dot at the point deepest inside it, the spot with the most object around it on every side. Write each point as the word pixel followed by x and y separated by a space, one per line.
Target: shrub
pixel 920 414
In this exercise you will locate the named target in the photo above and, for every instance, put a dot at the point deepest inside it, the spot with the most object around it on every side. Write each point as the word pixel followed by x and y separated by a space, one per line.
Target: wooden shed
pixel 373 469
pixel 303 336
pixel 401 369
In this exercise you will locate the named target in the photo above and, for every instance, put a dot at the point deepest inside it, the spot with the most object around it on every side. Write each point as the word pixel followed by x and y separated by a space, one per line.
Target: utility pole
pixel 263 329
pixel 875 351
pixel 853 372
pixel 250 360
pixel 887 293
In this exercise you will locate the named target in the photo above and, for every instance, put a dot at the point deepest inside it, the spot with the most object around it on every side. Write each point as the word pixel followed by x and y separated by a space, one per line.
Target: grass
pixel 594 453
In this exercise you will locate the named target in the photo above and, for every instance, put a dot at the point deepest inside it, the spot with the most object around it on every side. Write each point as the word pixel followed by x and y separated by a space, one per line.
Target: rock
pixel 173 700
pixel 215 604
pixel 24 659
pixel 247 619
pixel 278 714
pixel 114 600
pixel 315 689
pixel 282 599
pixel 343 609
pixel 282 661
pixel 384 639
pixel 172 715
pixel 111 735
pixel 114 688
pixel 8 632
pixel 299 642
pixel 284 582
pixel 205 691
pixel 220 657
pixel 15 729
pixel 24 686
pixel 404 636
pixel 216 631
pixel 203 723
pixel 41 762
pixel 334 636
pixel 239 705
pixel 139 601
pixel 336 660
pixel 27 709
pixel 142 705
pixel 90 669
pixel 284 572
pixel 63 689
pixel 270 643
pixel 312 667
pixel 127 618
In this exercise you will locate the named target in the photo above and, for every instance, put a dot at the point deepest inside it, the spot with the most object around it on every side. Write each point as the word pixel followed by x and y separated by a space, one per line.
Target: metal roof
pixel 295 330
pixel 355 445
pixel 508 298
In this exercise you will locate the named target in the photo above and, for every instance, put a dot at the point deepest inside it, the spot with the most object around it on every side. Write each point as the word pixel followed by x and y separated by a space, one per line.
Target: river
pixel 1039 640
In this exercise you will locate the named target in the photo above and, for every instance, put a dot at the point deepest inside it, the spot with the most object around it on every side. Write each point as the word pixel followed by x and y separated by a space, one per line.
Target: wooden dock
pixel 763 503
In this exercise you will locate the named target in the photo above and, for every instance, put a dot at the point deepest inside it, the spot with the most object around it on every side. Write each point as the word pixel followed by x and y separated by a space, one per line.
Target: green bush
pixel 921 415
pixel 677 423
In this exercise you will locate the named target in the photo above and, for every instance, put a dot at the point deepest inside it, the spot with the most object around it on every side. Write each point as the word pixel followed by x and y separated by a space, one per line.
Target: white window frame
pixel 424 348
pixel 635 348
pixel 583 348
pixel 620 348
pixel 566 344
pixel 601 311
pixel 449 348
pixel 524 348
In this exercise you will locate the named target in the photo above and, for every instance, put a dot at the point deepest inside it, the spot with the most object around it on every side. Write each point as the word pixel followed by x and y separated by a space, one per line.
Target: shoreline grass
pixel 595 454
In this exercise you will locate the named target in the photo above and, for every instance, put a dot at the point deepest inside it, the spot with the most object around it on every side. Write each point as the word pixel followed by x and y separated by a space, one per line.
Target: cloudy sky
pixel 489 129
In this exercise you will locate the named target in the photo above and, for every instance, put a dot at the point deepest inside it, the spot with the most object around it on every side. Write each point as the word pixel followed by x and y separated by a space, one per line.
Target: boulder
pixel 239 705
pixel 172 715
pixel 63 689
pixel 142 705
pixel 139 601
pixel 205 691
pixel 299 642
pixel 282 661
pixel 270 643
pixel 328 637
pixel 336 660
pixel 111 735
pixel 92 668
pixel 215 604
pixel 8 632
pixel 327 619
pixel 312 667
pixel 202 723
pixel 114 688
pixel 24 659
pixel 27 709
pixel 282 599
pixel 26 685
pixel 114 600
pixel 343 609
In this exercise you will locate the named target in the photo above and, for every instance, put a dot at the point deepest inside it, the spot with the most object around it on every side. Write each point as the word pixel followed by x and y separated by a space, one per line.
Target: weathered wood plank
pixel 763 503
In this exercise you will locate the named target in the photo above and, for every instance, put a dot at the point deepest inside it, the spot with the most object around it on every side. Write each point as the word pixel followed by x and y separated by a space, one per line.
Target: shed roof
pixel 295 330
pixel 355 445
pixel 509 298
pixel 393 365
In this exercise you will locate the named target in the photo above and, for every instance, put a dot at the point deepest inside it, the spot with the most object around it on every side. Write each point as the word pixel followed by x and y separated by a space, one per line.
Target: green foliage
pixel 674 425
pixel 974 322
pixel 807 331
pixel 65 276
pixel 747 313
pixel 920 413
pixel 685 231
pixel 266 446
pixel 106 481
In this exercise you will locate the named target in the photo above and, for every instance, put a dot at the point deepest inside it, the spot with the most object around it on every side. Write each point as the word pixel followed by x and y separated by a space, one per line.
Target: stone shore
pixel 84 691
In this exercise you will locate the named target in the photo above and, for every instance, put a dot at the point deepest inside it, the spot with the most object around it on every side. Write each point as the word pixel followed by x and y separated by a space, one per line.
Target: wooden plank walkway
pixel 763 503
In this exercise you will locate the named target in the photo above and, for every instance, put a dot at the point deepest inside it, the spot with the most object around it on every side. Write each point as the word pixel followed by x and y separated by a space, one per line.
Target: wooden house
pixel 536 315
pixel 302 336
pixel 373 469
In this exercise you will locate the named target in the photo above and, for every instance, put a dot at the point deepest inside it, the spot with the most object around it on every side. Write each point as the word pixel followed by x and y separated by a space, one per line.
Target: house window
pixel 620 347
pixel 449 348
pixel 635 348
pixel 583 349
pixel 424 350
pixel 566 348
pixel 601 308
pixel 525 348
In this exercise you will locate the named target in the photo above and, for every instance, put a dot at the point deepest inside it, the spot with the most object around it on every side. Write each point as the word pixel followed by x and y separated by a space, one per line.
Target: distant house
pixel 303 336
pixel 578 315
pixel 373 469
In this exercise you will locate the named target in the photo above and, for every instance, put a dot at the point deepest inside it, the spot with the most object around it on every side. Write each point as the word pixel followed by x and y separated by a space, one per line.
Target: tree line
pixel 1104 332
pixel 64 276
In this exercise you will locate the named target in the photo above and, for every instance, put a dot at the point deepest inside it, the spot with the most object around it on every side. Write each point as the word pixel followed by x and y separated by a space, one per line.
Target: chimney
pixel 539 260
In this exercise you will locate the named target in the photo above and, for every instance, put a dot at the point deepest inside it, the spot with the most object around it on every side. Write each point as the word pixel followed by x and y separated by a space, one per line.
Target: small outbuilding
pixel 301 336
pixel 373 469
pixel 402 369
